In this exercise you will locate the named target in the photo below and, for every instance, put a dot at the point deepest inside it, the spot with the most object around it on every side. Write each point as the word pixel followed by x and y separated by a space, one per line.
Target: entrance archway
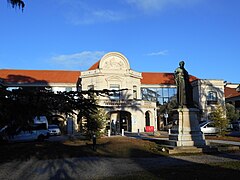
pixel 147 118
pixel 59 120
pixel 122 120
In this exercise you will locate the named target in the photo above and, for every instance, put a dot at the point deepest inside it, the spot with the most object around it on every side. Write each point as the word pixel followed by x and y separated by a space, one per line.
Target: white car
pixel 208 128
pixel 33 133
pixel 54 130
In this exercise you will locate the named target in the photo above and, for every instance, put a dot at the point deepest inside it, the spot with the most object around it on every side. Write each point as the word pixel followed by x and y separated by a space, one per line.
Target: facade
pixel 207 94
pixel 232 95
pixel 126 108
pixel 134 107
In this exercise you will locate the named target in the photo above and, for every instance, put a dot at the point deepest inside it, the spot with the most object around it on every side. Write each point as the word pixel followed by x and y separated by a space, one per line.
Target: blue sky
pixel 155 35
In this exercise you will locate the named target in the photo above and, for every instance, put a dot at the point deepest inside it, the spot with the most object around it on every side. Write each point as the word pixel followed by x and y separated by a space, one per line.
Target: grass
pixel 119 147
pixel 197 171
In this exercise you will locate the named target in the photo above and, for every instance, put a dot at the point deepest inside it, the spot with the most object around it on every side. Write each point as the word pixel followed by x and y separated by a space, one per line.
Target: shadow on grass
pixel 170 167
pixel 116 158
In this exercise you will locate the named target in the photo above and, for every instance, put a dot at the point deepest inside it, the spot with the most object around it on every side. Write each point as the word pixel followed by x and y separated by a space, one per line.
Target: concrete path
pixel 165 134
pixel 100 168
pixel 224 142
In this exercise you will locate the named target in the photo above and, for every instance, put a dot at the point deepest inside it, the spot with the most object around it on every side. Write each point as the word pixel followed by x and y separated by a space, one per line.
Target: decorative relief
pixel 113 63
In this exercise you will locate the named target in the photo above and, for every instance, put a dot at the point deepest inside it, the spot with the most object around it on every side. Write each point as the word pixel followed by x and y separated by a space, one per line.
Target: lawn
pixel 230 170
pixel 119 147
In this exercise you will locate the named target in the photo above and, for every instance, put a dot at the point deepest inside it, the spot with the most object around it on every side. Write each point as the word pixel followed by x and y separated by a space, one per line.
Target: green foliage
pixel 219 119
pixel 96 122
pixel 168 107
pixel 232 113
pixel 19 107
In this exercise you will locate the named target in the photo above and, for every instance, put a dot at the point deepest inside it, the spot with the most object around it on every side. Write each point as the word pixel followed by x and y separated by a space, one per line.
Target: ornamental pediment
pixel 114 61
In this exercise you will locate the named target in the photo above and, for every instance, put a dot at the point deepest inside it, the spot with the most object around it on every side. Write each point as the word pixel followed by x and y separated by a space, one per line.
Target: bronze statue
pixel 184 87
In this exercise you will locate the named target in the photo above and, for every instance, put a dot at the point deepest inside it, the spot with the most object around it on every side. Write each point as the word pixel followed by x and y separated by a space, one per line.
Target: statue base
pixel 187 132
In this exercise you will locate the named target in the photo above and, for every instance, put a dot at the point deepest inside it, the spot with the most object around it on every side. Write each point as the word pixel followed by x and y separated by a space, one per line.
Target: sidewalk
pixel 164 136
pixel 235 143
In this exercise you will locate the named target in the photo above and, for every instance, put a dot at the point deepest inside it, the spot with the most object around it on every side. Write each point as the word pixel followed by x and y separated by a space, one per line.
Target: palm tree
pixel 17 3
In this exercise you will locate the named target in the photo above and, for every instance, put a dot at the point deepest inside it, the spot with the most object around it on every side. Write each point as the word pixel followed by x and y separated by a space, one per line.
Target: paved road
pixel 95 167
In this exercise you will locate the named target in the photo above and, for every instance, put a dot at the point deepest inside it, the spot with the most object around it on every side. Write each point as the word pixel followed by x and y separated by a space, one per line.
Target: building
pixel 55 80
pixel 207 94
pixel 134 107
pixel 232 95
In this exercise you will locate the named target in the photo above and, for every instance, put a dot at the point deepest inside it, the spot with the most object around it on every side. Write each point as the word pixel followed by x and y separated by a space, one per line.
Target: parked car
pixel 32 133
pixel 41 120
pixel 54 130
pixel 235 125
pixel 208 127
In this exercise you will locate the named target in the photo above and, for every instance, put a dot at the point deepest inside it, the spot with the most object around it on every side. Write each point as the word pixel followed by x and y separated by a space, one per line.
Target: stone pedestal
pixel 187 132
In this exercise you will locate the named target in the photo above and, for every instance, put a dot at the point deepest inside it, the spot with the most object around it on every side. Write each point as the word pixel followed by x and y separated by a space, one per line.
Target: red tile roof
pixel 231 92
pixel 157 78
pixel 160 78
pixel 152 77
pixel 95 66
pixel 36 76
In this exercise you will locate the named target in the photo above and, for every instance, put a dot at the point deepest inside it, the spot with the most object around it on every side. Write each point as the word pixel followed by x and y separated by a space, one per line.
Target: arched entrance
pixel 147 118
pixel 121 120
pixel 58 120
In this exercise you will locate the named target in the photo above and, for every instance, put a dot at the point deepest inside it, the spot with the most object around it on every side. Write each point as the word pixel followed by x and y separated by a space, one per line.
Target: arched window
pixel 147 118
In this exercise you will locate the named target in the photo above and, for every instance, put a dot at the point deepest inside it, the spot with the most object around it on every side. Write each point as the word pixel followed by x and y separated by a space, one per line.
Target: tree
pixel 219 119
pixel 167 108
pixel 17 3
pixel 19 107
pixel 232 113
pixel 96 122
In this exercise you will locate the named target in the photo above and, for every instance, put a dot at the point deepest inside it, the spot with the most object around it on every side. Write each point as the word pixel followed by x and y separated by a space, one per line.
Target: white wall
pixel 200 92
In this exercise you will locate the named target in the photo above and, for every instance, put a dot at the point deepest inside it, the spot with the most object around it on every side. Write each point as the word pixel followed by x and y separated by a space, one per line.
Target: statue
pixel 187 131
pixel 184 87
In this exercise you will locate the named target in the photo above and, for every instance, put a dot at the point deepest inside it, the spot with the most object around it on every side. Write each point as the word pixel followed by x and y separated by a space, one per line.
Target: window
pixel 134 92
pixel 165 92
pixel 148 94
pixel 161 95
pixel 90 87
pixel 210 125
pixel 68 89
pixel 172 92
pixel 115 95
pixel 212 97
